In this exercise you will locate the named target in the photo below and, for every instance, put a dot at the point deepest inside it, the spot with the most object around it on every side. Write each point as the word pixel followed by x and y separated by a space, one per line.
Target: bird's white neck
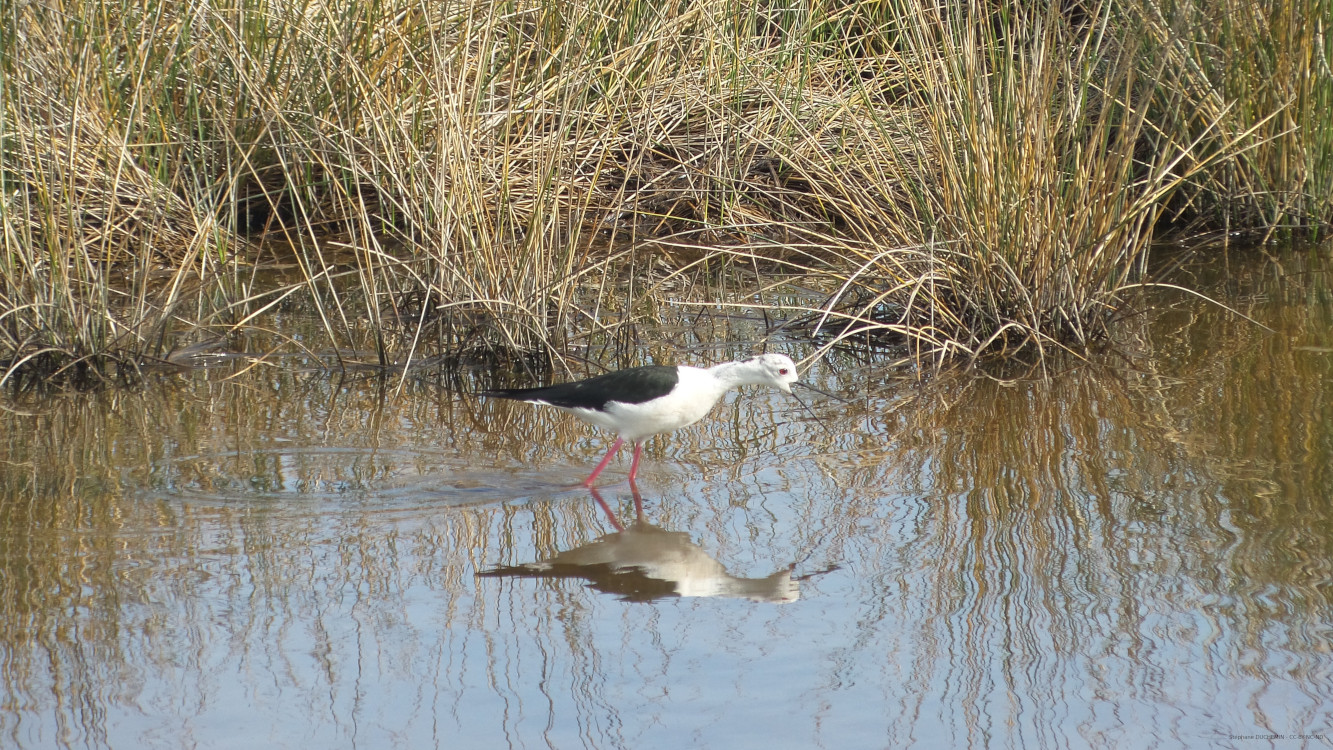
pixel 734 374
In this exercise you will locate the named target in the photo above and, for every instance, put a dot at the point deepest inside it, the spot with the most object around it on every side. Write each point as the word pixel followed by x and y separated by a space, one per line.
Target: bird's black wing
pixel 632 386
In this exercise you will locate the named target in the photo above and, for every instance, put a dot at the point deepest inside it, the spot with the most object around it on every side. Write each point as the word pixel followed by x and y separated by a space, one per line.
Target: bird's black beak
pixel 807 406
pixel 822 393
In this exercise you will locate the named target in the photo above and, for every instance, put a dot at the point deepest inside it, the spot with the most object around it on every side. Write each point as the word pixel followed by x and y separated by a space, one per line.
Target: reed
pixel 1042 179
pixel 492 179
pixel 1259 72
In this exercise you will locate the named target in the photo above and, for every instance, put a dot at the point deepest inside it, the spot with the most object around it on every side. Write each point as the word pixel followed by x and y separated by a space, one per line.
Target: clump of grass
pixel 503 178
pixel 106 232
pixel 1041 178
pixel 557 157
pixel 1258 69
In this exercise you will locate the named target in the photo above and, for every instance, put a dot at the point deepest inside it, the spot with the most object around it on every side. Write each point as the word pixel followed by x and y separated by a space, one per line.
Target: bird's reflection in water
pixel 643 562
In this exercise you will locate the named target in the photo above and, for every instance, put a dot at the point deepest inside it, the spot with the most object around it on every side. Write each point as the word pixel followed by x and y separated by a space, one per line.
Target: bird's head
pixel 776 370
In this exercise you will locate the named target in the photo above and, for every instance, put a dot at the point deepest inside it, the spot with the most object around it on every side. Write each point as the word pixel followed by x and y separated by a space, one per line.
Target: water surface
pixel 1134 549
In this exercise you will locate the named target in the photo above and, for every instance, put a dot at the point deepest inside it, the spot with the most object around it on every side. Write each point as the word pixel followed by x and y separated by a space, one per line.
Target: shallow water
pixel 1132 551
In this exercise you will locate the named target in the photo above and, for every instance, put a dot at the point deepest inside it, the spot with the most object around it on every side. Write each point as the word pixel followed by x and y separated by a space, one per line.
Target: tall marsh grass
pixel 1041 176
pixel 1257 68
pixel 497 178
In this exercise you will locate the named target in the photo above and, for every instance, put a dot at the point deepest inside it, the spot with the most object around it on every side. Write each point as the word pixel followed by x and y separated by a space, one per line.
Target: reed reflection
pixel 1048 559
pixel 643 562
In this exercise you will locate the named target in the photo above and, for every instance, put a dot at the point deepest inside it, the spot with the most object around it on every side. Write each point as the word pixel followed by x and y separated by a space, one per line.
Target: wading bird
pixel 642 401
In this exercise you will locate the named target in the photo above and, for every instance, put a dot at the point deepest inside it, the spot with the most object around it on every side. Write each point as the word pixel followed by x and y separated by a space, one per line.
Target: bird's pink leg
pixel 609 455
pixel 634 465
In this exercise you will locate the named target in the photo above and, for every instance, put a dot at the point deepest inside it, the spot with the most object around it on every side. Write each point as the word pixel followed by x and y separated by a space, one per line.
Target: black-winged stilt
pixel 642 401
pixel 645 562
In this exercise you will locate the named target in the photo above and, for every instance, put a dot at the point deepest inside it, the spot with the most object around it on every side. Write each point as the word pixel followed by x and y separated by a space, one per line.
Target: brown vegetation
pixel 476 177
